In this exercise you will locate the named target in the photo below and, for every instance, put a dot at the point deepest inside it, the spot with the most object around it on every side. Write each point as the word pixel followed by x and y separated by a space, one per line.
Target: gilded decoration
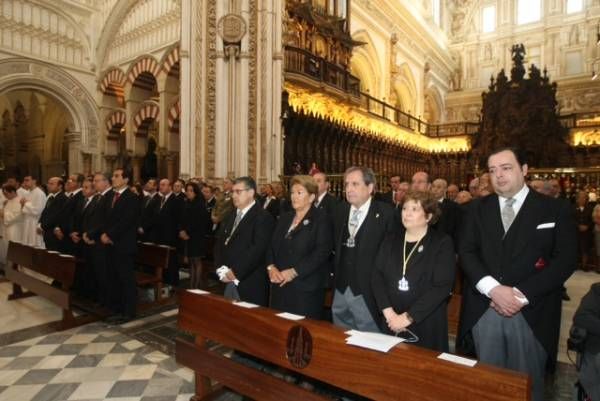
pixel 324 106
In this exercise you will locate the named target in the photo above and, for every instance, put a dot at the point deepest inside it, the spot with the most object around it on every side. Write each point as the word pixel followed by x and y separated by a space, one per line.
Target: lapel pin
pixel 306 222
pixel 420 249
pixel 377 215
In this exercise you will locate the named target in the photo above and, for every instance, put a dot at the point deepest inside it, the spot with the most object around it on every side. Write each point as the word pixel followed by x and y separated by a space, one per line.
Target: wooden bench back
pixel 20 254
pixel 407 372
pixel 152 255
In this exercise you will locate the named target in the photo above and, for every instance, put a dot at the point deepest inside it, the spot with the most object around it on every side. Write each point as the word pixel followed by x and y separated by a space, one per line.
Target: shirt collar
pixel 245 210
pixel 519 197
pixel 364 208
pixel 105 191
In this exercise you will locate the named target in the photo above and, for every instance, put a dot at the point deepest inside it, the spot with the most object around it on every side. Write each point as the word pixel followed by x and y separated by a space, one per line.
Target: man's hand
pixel 504 301
pixel 275 275
pixel 59 234
pixel 75 237
pixel 288 275
pixel 184 235
pixel 105 239
pixel 39 231
pixel 23 201
pixel 396 322
pixel 230 276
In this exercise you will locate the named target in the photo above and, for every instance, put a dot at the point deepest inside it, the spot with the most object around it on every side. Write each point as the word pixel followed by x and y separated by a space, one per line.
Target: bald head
pixel 420 181
pixel 537 186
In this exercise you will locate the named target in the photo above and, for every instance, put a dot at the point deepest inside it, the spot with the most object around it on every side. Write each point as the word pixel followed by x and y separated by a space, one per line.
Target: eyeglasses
pixel 239 191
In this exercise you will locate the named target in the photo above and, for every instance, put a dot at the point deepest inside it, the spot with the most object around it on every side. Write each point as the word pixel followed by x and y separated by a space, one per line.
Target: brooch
pixel 420 249
pixel 306 222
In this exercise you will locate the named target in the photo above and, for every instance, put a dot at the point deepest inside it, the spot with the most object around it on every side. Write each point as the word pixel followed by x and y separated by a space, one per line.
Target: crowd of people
pixel 390 259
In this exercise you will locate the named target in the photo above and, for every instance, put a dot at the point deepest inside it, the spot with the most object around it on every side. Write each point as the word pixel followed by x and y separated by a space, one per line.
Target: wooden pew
pixel 58 267
pixel 151 260
pixel 317 349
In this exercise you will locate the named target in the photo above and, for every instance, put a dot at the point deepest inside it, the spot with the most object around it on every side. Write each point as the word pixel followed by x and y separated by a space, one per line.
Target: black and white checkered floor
pixel 92 362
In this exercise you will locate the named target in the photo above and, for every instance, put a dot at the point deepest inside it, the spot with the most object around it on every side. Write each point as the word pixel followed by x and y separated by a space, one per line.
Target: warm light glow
pixel 586 137
pixel 325 106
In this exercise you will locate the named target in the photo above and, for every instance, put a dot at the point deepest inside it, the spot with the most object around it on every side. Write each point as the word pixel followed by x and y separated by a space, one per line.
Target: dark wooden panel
pixel 405 373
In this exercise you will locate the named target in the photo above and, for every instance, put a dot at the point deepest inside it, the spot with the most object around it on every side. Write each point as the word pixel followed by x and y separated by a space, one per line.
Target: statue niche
pixel 521 112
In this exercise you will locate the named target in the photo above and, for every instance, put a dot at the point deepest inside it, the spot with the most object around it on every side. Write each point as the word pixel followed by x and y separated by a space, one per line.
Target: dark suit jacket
pixel 51 218
pixel 328 204
pixel 387 197
pixel 83 217
pixel 587 317
pixel 449 219
pixel 120 225
pixel 535 260
pixel 97 219
pixel 195 221
pixel 430 273
pixel 272 207
pixel 381 220
pixel 167 221
pixel 308 248
pixel 245 252
pixel 72 207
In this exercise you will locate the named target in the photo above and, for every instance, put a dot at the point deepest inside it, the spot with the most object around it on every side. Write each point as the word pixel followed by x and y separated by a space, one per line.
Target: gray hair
pixel 367 174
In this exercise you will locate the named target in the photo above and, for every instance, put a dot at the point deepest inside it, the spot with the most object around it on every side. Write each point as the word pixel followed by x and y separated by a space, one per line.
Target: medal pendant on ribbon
pixel 350 243
pixel 403 284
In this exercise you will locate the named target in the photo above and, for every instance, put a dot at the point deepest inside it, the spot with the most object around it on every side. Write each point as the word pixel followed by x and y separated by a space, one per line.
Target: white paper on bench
pixel 457 359
pixel 200 292
pixel 244 304
pixel 290 316
pixel 375 341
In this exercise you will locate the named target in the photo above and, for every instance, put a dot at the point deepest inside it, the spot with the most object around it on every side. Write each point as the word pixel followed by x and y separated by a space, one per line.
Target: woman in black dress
pixel 194 228
pixel 414 275
pixel 298 259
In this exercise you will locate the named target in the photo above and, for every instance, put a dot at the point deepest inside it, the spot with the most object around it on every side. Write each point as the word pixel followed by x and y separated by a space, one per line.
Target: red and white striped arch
pixel 174 113
pixel 171 61
pixel 113 82
pixel 146 64
pixel 146 114
pixel 115 122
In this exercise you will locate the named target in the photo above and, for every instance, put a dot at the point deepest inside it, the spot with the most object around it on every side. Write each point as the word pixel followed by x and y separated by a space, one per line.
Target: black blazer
pixel 147 218
pixel 382 219
pixel 52 217
pixel 83 217
pixel 121 220
pixel 449 219
pixel 535 260
pixel 245 252
pixel 587 317
pixel 167 221
pixel 328 204
pixel 387 197
pixel 272 207
pixel 308 246
pixel 195 221
pixel 430 274
pixel 97 219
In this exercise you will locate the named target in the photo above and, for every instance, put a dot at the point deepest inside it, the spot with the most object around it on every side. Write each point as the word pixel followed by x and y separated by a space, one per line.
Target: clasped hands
pixel 505 300
pixel 397 322
pixel 281 277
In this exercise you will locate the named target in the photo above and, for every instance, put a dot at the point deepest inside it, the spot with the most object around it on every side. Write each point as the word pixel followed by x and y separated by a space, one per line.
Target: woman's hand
pixel 396 322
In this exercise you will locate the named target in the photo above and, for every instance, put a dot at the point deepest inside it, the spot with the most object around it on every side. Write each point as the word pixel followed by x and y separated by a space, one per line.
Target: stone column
pixel 172 170
pixel 136 163
pixel 75 156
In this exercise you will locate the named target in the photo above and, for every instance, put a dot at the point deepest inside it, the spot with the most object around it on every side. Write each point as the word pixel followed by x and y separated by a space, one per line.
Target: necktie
pixel 116 198
pixel 508 213
pixel 353 223
pixel 162 201
pixel 238 218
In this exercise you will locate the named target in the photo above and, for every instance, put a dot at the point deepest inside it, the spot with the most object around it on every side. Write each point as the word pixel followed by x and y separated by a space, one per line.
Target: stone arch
pixel 115 122
pixel 147 113
pixel 405 89
pixel 365 63
pixel 111 27
pixel 433 105
pixel 144 64
pixel 28 74
pixel 170 61
pixel 174 113
pixel 113 82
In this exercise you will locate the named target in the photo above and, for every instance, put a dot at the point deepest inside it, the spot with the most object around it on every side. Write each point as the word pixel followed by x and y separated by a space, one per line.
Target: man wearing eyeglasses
pixel 241 245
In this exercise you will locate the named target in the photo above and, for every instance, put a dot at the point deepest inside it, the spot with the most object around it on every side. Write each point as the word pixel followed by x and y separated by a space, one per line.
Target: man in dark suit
pixel 166 225
pixel 73 192
pixel 242 243
pixel 517 248
pixel 360 226
pixel 389 197
pixel 91 230
pixel 119 235
pixel 448 221
pixel 268 200
pixel 585 227
pixel 50 219
pixel 80 218
pixel 147 219
pixel 324 201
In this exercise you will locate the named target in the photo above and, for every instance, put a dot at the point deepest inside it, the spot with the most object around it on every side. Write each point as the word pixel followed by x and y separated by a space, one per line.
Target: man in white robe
pixel 33 205
pixel 11 218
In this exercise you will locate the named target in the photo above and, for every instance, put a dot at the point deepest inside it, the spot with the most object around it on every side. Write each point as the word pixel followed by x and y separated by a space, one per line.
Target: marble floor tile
pixel 85 361
pixel 81 338
pixel 92 390
pixel 40 350
pixel 21 393
pixel 132 345
pixel 71 375
pixel 97 348
pixel 54 362
pixel 37 376
pixel 116 360
pixel 128 388
pixel 104 374
pixel 185 374
pixel 26 362
pixel 163 387
pixel 138 372
pixel 55 392
pixel 9 377
pixel 156 357
pixel 13 351
pixel 69 349
pixel 4 361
